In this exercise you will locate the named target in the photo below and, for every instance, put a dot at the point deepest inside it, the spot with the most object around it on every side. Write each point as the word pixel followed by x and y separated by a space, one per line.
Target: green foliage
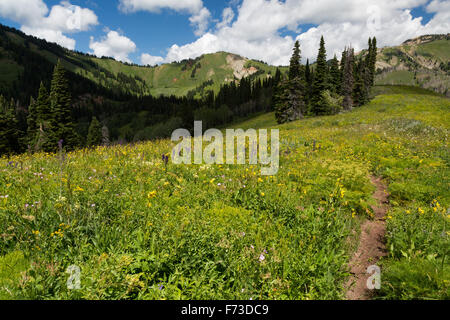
pixel 295 68
pixel 335 76
pixel 331 102
pixel 11 267
pixel 289 101
pixel 290 95
pixel 63 127
pixel 415 279
pixel 321 81
pixel 158 131
pixel 348 80
pixel 10 134
pixel 94 137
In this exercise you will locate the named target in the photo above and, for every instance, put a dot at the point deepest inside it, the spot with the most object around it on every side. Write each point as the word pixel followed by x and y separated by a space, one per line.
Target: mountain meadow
pixel 87 188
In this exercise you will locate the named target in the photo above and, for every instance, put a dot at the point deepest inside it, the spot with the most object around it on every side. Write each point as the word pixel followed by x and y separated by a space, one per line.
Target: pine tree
pixel 342 66
pixel 295 64
pixel 321 81
pixel 360 92
pixel 63 127
pixel 373 60
pixel 308 82
pixel 348 78
pixel 289 101
pixel 335 76
pixel 32 127
pixel 44 123
pixel 289 96
pixel 94 137
pixel 43 110
pixel 9 134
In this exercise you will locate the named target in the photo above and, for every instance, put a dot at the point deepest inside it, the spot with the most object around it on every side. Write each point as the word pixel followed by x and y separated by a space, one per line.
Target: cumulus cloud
pixel 257 31
pixel 149 60
pixel 37 20
pixel 227 18
pixel 113 45
pixel 200 21
pixel 200 15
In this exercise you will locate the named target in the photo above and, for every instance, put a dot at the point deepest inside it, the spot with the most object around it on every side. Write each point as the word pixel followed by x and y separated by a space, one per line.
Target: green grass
pixel 400 77
pixel 140 230
pixel 438 49
pixel 11 267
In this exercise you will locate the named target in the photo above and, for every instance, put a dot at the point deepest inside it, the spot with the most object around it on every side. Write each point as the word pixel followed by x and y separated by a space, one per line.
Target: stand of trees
pixel 54 117
pixel 328 88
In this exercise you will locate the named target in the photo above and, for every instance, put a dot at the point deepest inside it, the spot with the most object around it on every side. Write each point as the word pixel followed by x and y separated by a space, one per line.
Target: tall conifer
pixel 321 81
pixel 60 100
pixel 295 64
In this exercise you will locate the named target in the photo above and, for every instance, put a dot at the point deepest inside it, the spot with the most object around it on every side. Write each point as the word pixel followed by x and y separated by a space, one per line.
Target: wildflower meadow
pixel 138 226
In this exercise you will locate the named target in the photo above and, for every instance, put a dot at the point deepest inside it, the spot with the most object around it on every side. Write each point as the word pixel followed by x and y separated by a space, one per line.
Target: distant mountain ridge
pixel 423 61
pixel 208 71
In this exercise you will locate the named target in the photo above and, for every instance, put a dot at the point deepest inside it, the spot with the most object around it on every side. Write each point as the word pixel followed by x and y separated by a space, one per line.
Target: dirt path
pixel 371 245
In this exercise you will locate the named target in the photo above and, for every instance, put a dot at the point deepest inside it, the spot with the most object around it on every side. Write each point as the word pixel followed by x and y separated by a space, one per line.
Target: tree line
pixel 328 88
pixel 54 118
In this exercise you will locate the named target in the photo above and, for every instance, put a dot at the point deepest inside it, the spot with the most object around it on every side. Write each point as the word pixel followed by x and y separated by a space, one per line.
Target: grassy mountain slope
pixel 421 62
pixel 209 71
pixel 424 62
pixel 136 230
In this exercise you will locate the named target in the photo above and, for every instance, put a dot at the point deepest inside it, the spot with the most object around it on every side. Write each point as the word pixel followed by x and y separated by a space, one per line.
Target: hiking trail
pixel 371 245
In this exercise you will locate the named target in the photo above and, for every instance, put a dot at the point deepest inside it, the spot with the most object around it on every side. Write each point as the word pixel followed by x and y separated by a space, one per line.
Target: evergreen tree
pixel 94 137
pixel 32 128
pixel 373 53
pixel 295 64
pixel 360 93
pixel 342 66
pixel 308 82
pixel 348 78
pixel 321 81
pixel 9 134
pixel 63 127
pixel 278 76
pixel 289 101
pixel 43 110
pixel 44 121
pixel 335 76
pixel 289 96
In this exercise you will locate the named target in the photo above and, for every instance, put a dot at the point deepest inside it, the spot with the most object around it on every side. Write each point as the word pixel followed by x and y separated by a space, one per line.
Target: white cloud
pixel 256 32
pixel 149 60
pixel 200 16
pixel 113 45
pixel 200 21
pixel 37 20
pixel 51 36
pixel 227 18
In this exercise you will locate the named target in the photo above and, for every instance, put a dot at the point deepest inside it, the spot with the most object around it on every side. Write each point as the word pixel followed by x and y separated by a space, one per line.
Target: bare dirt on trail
pixel 371 245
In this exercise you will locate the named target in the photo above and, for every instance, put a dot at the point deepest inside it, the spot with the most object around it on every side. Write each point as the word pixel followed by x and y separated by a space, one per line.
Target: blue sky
pixel 160 31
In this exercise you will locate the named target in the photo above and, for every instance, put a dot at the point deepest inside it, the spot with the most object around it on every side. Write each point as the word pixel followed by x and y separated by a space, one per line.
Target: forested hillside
pixel 26 57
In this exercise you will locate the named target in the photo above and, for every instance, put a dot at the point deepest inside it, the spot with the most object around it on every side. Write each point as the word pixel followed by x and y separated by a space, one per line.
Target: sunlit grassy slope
pixel 140 230
pixel 176 78
pixel 423 62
